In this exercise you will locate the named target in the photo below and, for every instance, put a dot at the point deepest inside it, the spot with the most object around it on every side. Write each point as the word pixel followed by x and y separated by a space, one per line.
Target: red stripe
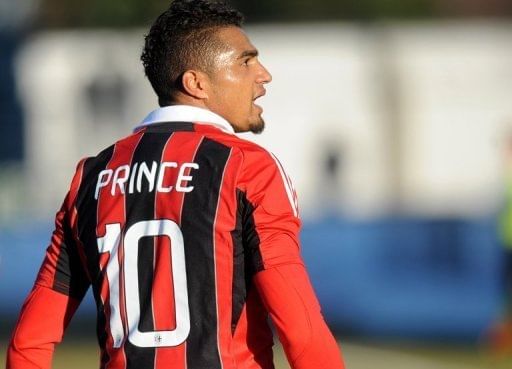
pixel 111 209
pixel 285 175
pixel 291 188
pixel 180 148
pixel 73 213
pixel 75 184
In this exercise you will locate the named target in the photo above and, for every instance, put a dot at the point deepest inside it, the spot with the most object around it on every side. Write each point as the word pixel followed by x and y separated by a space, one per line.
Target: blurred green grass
pixel 81 354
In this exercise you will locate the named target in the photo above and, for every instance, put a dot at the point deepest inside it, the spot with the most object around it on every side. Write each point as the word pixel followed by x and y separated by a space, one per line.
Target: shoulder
pixel 265 181
pixel 123 146
pixel 251 158
pixel 94 163
pixel 253 154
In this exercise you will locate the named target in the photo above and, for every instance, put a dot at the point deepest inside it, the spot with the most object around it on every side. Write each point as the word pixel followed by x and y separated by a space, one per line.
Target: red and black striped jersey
pixel 169 226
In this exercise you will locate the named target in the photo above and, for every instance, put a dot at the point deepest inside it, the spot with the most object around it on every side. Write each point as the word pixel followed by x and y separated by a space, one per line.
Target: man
pixel 187 234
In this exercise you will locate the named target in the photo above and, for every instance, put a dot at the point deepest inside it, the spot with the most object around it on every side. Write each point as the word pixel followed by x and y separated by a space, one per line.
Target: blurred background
pixel 392 117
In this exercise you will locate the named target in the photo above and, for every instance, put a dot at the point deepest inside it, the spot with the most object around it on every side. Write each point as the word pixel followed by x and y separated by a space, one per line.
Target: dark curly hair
pixel 183 38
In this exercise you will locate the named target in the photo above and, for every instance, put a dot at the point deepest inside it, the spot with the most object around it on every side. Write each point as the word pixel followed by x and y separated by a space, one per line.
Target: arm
pixel 271 228
pixel 60 286
pixel 293 307
pixel 43 319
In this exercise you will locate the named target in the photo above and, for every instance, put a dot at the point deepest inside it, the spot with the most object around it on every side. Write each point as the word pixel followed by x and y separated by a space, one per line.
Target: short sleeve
pixel 270 223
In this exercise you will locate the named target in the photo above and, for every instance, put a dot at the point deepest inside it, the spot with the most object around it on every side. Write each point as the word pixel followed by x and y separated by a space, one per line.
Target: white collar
pixel 186 113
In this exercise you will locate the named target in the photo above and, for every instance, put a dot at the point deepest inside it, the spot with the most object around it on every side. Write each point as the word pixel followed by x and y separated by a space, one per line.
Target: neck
pixel 183 99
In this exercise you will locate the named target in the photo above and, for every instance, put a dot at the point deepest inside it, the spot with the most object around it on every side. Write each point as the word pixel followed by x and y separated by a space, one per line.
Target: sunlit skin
pixel 235 81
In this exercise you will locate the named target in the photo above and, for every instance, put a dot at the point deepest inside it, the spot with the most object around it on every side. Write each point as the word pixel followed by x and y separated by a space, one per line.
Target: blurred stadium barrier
pixel 391 277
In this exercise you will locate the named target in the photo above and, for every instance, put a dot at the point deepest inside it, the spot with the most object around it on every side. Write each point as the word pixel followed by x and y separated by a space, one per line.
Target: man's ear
pixel 196 84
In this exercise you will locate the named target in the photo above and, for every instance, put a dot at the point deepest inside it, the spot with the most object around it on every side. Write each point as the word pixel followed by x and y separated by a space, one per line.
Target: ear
pixel 196 84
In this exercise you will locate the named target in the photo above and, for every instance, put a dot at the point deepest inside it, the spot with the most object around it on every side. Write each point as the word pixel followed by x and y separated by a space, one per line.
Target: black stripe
pixel 87 207
pixel 246 255
pixel 251 240
pixel 198 216
pixel 70 276
pixel 239 290
pixel 169 126
pixel 140 206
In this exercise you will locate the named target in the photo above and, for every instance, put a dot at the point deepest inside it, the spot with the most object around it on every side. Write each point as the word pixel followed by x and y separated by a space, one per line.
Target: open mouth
pixel 262 93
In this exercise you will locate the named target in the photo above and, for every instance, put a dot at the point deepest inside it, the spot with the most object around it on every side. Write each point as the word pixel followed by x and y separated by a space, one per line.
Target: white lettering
pixel 132 178
pixel 185 178
pixel 161 174
pixel 120 180
pixel 110 243
pixel 129 179
pixel 149 174
pixel 102 181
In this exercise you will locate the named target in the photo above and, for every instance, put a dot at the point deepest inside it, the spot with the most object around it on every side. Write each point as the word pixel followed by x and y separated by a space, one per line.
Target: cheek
pixel 235 94
pixel 237 91
pixel 227 86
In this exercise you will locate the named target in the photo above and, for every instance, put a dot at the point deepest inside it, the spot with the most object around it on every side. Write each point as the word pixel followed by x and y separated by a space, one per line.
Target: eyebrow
pixel 246 53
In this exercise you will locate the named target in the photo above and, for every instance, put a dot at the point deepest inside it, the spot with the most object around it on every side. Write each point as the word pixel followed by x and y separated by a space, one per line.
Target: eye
pixel 249 60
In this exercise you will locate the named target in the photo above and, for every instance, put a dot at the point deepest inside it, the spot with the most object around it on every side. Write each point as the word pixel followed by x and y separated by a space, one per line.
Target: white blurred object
pixel 81 91
pixel 415 110
pixel 455 88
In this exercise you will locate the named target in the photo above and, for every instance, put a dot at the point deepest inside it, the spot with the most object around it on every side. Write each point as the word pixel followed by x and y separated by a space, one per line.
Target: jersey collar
pixel 186 113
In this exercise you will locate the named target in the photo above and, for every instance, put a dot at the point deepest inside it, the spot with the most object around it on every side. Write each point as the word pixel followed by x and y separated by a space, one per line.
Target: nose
pixel 264 75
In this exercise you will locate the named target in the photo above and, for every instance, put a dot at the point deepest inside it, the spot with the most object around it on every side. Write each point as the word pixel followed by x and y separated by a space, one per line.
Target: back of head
pixel 183 38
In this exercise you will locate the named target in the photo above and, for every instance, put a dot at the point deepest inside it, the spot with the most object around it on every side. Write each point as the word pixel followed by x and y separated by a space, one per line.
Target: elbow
pixel 317 351
pixel 297 339
pixel 22 355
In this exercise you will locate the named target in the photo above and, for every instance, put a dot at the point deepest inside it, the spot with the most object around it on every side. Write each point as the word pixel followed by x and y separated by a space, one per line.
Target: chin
pixel 257 127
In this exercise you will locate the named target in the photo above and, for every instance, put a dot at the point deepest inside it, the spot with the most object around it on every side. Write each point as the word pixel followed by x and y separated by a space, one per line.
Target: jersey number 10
pixel 110 244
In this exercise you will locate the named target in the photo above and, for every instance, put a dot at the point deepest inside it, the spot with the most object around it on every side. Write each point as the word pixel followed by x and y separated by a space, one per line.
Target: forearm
pixel 43 319
pixel 291 302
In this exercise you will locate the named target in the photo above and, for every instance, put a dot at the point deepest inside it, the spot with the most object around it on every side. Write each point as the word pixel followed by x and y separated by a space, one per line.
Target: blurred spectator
pixel 330 178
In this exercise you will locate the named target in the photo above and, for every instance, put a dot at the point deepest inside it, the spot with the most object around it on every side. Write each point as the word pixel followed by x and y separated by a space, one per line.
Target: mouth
pixel 260 94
